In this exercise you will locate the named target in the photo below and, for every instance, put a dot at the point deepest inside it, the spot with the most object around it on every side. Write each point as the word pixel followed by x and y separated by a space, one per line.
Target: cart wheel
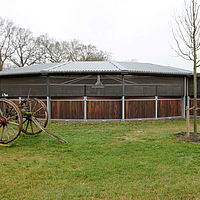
pixel 33 108
pixel 10 121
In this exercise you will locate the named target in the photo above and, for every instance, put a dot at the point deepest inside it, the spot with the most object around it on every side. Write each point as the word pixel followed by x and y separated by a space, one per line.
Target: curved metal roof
pixel 96 67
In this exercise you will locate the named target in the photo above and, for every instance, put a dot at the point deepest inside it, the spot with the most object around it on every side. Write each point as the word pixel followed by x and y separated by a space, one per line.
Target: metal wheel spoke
pixel 32 127
pixel 7 133
pixel 11 121
pixel 29 104
pixel 25 121
pixel 39 122
pixel 34 106
pixel 38 110
pixel 6 110
pixel 36 124
pixel 4 107
pixel 34 118
pixel 22 102
pixel 27 125
pixel 2 132
pixel 12 129
pixel 17 124
pixel 10 109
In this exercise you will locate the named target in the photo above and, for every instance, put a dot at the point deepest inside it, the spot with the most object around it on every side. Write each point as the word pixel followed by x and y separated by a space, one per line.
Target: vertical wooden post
pixel 188 120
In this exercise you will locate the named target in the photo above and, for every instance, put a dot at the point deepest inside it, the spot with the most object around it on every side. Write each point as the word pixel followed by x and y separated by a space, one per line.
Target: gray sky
pixel 129 29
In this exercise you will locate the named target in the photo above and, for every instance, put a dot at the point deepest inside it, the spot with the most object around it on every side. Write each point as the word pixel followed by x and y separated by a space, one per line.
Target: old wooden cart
pixel 30 116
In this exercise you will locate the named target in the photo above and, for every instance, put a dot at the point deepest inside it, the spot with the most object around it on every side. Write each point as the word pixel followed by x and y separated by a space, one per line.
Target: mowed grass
pixel 122 160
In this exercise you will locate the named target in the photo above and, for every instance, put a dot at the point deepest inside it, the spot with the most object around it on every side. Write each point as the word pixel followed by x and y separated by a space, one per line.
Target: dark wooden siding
pixel 104 109
pixel 111 108
pixel 169 108
pixel 139 108
pixel 192 104
pixel 61 109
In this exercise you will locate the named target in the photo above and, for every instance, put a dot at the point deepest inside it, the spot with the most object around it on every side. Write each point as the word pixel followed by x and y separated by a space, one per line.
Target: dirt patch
pixel 183 137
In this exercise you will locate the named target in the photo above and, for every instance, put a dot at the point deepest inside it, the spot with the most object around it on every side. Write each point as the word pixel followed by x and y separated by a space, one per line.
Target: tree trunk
pixel 1 65
pixel 195 101
pixel 195 66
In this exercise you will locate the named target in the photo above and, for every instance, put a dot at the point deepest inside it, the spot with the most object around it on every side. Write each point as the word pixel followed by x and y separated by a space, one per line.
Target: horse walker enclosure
pixel 87 91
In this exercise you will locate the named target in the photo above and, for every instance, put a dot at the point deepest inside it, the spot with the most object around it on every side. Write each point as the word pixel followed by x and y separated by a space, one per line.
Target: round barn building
pixel 102 91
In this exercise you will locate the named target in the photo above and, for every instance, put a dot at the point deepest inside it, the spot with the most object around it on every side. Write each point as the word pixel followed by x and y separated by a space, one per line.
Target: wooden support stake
pixel 188 120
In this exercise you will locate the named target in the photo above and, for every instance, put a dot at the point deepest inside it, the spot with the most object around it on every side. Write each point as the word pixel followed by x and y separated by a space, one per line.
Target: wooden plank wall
pixel 139 109
pixel 198 106
pixel 104 109
pixel 67 109
pixel 169 108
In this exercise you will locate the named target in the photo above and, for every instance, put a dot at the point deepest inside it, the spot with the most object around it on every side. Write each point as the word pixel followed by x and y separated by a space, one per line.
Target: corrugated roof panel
pixel 29 69
pixel 152 68
pixel 100 67
pixel 85 67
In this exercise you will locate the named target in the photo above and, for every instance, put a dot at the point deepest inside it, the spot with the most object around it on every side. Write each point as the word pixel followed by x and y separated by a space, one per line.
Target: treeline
pixel 20 47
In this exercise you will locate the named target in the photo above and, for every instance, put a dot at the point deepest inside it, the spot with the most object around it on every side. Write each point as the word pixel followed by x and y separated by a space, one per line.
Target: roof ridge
pixel 118 66
pixel 56 66
pixel 103 67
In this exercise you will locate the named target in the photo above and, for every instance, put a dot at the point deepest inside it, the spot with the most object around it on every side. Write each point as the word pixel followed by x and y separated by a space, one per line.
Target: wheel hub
pixel 3 121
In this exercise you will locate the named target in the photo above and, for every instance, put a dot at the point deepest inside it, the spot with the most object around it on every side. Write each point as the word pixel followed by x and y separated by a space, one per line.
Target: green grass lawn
pixel 122 160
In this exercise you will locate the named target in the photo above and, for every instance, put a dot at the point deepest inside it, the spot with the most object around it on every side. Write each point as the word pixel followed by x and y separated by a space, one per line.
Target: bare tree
pixel 80 52
pixel 25 48
pixel 91 53
pixel 102 56
pixel 6 34
pixel 53 50
pixel 20 47
pixel 187 38
pixel 73 50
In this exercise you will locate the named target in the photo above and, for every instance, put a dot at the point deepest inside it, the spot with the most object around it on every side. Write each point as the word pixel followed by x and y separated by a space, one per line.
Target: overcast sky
pixel 129 29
